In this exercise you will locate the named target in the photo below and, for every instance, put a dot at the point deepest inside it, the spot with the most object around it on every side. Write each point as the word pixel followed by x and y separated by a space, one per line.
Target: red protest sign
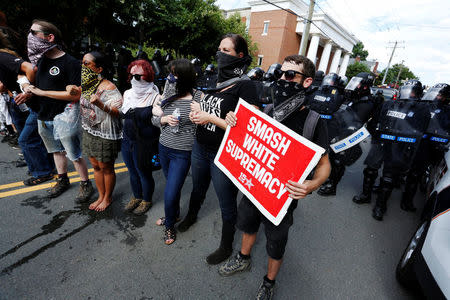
pixel 260 155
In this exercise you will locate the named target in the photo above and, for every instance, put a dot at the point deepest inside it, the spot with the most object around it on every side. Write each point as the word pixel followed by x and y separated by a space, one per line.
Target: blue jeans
pixel 175 164
pixel 203 171
pixel 39 162
pixel 18 117
pixel 142 182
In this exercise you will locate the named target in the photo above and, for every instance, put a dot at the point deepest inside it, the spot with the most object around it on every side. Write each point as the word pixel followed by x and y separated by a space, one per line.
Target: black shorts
pixel 249 218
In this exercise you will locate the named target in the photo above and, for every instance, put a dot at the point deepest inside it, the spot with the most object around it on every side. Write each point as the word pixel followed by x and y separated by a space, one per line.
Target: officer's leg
pixel 337 171
pixel 370 175
pixel 386 186
pixel 412 181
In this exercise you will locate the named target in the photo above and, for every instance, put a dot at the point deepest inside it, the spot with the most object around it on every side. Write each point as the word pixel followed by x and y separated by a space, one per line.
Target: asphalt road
pixel 54 249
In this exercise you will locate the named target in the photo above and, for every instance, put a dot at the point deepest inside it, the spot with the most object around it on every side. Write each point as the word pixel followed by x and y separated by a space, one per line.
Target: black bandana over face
pixel 284 90
pixel 230 66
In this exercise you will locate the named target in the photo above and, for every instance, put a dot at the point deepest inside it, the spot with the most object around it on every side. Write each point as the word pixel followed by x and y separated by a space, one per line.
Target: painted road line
pixel 20 183
pixel 46 185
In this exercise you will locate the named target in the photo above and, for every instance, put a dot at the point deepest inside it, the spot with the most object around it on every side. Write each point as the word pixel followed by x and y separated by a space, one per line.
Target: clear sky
pixel 424 26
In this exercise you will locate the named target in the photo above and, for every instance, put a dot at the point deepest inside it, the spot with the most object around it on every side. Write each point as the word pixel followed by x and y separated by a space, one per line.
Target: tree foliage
pixel 358 49
pixel 393 73
pixel 356 68
pixel 189 28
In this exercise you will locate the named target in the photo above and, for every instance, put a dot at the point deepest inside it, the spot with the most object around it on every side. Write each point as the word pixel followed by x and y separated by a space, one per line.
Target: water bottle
pixel 176 114
pixel 23 107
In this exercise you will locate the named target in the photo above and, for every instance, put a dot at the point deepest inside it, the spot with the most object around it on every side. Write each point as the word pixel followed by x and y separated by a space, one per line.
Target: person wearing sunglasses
pixel 102 128
pixel 288 106
pixel 55 93
pixel 140 137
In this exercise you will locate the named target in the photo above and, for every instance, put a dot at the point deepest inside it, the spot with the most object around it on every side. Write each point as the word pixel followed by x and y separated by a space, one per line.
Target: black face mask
pixel 284 90
pixel 230 66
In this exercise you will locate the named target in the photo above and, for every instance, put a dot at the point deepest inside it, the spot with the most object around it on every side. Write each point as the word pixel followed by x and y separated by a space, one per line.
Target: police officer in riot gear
pixel 273 73
pixel 434 144
pixel 401 126
pixel 359 106
pixel 209 78
pixel 327 99
pixel 256 74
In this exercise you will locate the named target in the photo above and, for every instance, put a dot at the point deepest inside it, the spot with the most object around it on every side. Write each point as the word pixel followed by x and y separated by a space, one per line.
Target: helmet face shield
pixel 354 83
pixel 330 80
pixel 431 94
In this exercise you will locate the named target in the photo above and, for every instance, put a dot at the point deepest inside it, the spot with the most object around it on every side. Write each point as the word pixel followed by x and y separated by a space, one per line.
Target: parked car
pixel 387 93
pixel 425 262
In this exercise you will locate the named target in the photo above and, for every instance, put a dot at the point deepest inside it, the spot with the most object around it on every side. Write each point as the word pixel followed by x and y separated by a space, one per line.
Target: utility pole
pixel 389 63
pixel 305 35
pixel 399 72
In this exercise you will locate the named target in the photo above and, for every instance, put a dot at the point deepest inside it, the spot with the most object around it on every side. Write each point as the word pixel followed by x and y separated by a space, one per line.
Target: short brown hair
pixel 49 28
pixel 308 67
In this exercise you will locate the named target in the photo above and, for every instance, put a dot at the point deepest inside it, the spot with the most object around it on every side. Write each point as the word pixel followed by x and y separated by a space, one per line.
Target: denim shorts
pixel 71 144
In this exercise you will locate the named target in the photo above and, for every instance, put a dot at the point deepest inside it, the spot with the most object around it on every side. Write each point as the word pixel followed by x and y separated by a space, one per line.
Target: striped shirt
pixel 184 138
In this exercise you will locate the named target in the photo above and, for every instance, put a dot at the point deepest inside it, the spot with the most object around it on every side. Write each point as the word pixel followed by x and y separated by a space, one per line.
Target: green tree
pixel 358 49
pixel 356 68
pixel 393 73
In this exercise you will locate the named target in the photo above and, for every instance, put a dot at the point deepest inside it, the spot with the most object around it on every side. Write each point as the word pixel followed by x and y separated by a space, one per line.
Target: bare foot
pixel 103 205
pixel 96 203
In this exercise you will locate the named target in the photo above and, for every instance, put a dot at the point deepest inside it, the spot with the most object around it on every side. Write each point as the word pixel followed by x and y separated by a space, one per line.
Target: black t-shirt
pixel 9 69
pixel 55 75
pixel 219 104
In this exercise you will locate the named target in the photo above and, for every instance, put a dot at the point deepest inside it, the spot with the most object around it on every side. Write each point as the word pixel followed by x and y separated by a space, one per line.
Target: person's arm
pixel 201 117
pixel 115 104
pixel 70 94
pixel 27 69
pixel 299 191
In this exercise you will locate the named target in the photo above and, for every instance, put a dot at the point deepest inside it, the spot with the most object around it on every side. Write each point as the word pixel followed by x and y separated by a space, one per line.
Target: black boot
pixel 226 245
pixel 337 171
pixel 194 207
pixel 412 181
pixel 369 179
pixel 386 186
pixel 327 189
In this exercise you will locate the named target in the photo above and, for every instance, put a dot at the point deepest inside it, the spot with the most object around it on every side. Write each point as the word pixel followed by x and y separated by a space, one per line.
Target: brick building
pixel 278 33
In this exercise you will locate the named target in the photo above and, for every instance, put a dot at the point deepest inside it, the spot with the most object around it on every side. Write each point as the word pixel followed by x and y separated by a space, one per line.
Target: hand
pixel 95 100
pixel 34 90
pixel 22 98
pixel 300 190
pixel 231 119
pixel 171 120
pixel 73 90
pixel 200 117
pixel 195 107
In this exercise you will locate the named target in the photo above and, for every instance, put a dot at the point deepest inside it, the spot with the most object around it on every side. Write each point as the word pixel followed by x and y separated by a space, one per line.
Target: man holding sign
pixel 288 109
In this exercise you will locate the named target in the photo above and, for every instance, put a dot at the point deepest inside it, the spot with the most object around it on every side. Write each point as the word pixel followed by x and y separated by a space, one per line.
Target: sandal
pixel 169 236
pixel 37 180
pixel 162 221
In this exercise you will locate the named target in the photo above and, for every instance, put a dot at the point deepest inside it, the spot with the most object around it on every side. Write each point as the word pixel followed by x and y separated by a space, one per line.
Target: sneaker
pixel 85 192
pixel 21 163
pixel 37 180
pixel 62 185
pixel 235 265
pixel 132 204
pixel 265 291
pixel 143 207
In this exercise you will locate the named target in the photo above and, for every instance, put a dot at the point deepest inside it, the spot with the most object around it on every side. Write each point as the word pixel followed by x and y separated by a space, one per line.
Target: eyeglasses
pixel 290 74
pixel 34 32
pixel 136 76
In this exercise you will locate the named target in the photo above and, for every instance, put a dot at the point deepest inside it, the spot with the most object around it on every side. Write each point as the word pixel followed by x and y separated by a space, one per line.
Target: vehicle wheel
pixel 405 272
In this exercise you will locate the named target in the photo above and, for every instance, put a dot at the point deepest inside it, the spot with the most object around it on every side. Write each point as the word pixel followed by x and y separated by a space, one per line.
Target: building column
pixel 313 46
pixel 335 61
pixel 343 68
pixel 325 56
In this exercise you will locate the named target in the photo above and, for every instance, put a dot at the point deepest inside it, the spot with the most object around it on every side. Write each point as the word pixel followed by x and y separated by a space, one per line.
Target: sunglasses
pixel 34 32
pixel 290 74
pixel 136 76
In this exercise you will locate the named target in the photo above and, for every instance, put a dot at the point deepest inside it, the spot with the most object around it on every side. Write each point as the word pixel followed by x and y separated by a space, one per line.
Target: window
pixel 266 27
pixel 260 59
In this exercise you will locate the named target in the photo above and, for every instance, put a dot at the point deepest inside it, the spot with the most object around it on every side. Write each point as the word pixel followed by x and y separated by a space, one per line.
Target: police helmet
pixel 360 85
pixel 438 91
pixel 168 58
pixel 196 61
pixel 411 90
pixel 256 73
pixel 343 82
pixel 210 69
pixel 273 73
pixel 330 80
pixel 318 78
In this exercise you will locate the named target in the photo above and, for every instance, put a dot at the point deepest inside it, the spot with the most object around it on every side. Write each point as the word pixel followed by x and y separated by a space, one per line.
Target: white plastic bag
pixel 67 123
